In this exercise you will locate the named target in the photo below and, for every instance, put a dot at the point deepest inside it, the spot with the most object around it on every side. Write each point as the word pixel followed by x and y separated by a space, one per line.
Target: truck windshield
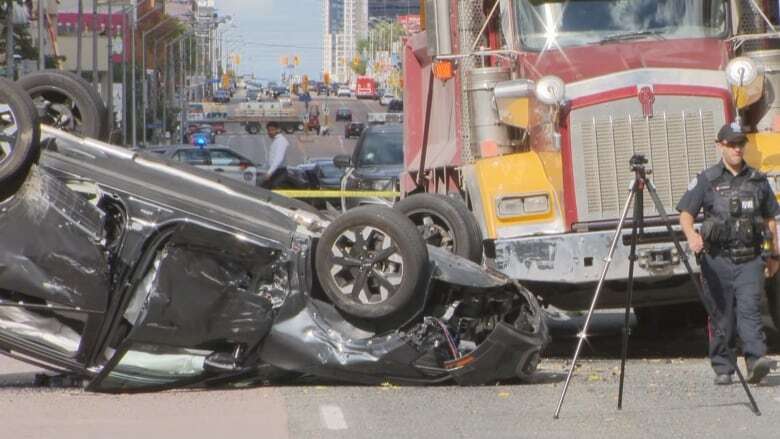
pixel 549 24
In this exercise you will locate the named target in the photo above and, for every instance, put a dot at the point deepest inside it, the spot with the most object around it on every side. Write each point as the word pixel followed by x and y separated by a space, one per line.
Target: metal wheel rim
pixel 436 233
pixel 9 129
pixel 366 265
pixel 62 113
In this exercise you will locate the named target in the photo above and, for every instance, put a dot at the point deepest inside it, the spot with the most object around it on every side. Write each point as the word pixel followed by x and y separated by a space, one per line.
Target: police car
pixel 217 158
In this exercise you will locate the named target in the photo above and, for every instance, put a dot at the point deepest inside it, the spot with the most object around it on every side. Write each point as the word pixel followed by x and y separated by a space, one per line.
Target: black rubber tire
pixel 288 129
pixel 57 86
pixel 24 143
pixel 404 239
pixel 252 129
pixel 449 213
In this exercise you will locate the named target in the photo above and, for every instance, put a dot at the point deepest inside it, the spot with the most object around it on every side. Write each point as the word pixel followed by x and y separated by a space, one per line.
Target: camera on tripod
pixel 638 161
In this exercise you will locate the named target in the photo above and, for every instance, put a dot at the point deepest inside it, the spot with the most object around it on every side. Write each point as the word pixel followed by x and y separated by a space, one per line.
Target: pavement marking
pixel 332 417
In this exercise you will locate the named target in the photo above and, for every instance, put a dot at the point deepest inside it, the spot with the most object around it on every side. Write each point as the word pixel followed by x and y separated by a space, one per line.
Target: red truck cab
pixel 365 88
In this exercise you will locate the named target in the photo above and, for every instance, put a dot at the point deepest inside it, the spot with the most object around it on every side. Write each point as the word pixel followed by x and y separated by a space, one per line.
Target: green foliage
pixel 23 43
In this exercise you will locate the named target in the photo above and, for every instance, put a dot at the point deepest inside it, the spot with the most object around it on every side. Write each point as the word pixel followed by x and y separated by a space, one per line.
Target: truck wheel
pixel 289 129
pixel 66 101
pixel 252 129
pixel 20 136
pixel 444 222
pixel 371 262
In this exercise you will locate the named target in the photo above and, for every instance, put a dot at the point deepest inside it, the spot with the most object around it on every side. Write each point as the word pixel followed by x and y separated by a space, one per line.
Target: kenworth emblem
pixel 647 97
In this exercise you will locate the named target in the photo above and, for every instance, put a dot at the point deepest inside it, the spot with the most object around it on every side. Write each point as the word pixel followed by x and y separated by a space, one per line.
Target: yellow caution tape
pixel 336 194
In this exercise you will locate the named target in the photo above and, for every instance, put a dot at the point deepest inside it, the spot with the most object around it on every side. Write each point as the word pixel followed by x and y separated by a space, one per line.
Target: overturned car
pixel 137 273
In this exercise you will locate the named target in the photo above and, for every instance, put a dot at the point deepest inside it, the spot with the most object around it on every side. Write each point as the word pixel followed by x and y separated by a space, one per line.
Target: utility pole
pixel 132 77
pixel 41 45
pixel 79 35
pixel 94 44
pixel 124 76
pixel 110 70
pixel 9 40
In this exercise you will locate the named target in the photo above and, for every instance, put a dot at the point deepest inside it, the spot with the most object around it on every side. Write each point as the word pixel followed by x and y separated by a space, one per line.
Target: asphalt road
pixel 668 393
pixel 303 146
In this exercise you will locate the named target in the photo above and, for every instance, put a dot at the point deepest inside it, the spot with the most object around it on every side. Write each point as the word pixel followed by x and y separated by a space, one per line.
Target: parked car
pixel 344 92
pixel 143 273
pixel 344 113
pixel 222 96
pixel 215 158
pixel 375 164
pixel 353 129
pixel 386 98
pixel 395 106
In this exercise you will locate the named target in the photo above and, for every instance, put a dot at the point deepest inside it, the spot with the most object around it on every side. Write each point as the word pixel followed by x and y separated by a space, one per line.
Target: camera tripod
pixel 636 194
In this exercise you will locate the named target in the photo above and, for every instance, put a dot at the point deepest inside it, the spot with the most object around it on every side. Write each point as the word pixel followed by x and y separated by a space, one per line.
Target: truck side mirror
pixel 342 161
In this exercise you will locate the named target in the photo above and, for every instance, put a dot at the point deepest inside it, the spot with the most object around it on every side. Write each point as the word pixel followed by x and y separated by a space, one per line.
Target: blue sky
pixel 261 25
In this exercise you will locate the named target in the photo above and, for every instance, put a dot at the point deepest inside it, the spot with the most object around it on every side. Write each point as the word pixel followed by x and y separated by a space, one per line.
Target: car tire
pixel 377 250
pixel 252 129
pixel 71 96
pixel 446 222
pixel 289 130
pixel 20 135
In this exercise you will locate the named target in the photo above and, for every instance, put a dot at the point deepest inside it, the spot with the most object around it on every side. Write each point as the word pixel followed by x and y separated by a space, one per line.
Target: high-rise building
pixel 346 21
pixel 392 9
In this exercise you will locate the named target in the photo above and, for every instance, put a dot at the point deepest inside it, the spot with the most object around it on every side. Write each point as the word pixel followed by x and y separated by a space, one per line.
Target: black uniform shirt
pixel 700 193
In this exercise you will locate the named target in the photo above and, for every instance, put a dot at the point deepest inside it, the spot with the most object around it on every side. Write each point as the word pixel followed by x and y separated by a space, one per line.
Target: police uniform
pixel 735 209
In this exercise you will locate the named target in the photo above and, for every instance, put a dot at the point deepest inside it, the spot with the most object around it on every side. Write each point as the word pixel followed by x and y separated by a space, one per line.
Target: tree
pixel 23 43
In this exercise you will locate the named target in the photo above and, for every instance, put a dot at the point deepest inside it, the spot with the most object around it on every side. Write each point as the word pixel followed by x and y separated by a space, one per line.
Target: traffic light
pixel 326 78
pixel 284 60
pixel 305 83
pixel 296 60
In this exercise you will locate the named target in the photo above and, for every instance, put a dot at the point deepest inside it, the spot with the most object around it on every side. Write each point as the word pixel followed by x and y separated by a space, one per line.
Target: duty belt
pixel 738 255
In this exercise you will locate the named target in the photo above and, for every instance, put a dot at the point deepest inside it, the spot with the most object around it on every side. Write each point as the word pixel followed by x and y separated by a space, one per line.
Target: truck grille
pixel 679 143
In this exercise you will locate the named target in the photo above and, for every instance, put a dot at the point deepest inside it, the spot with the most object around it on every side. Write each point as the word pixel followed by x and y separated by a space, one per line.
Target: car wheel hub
pixel 366 265
pixel 8 129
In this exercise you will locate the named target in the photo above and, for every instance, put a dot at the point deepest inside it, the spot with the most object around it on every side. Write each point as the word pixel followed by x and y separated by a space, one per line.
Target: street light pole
pixel 110 70
pixel 143 75
pixel 124 75
pixel 94 44
pixel 170 76
pixel 155 52
pixel 9 40
pixel 79 35
pixel 133 104
pixel 41 51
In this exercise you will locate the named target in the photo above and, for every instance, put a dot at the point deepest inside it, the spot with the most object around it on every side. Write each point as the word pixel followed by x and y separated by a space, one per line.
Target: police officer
pixel 739 215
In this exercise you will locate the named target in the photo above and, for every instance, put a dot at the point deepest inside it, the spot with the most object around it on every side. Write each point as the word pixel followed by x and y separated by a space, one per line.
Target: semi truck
pixel 529 112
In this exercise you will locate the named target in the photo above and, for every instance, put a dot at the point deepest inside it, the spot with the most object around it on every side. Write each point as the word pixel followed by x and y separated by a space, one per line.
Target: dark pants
pixel 277 179
pixel 736 291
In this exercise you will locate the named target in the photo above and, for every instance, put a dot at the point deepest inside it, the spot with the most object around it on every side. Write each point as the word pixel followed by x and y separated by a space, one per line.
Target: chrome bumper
pixel 578 258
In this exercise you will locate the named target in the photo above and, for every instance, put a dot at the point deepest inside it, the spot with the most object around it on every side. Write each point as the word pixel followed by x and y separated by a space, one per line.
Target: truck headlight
pixel 550 90
pixel 522 205
pixel 742 71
